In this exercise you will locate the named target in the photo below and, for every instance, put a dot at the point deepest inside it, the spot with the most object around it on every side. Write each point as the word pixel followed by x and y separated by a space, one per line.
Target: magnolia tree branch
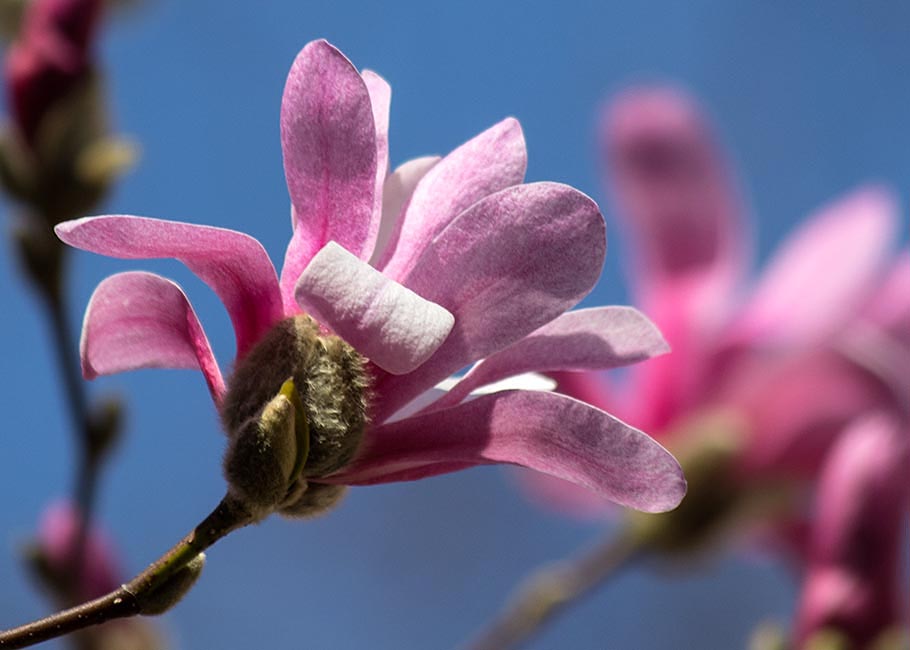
pixel 43 259
pixel 153 591
pixel 550 589
pixel 86 479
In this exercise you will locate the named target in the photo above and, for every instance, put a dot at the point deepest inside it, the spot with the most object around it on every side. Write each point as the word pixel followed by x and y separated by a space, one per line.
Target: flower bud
pixel 330 381
pixel 263 455
pixel 316 499
pixel 172 591
pixel 50 58
pixel 52 557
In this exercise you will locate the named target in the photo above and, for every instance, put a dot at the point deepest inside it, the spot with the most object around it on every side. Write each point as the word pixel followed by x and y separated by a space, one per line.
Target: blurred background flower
pixel 811 101
pixel 765 377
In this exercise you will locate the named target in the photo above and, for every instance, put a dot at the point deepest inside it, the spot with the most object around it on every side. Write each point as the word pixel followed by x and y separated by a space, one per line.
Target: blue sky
pixel 810 99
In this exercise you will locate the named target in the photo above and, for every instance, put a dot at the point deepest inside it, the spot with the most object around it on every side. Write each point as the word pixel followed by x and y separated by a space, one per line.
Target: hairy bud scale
pixel 330 380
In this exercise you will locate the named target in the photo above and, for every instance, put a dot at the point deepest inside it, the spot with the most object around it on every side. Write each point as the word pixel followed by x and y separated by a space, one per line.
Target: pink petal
pixel 233 264
pixel 141 320
pixel 675 195
pixel 329 142
pixel 853 579
pixel 508 265
pixel 492 161
pixel 586 339
pixel 674 192
pixel 380 99
pixel 396 192
pixel 823 272
pixel 547 432
pixel 389 324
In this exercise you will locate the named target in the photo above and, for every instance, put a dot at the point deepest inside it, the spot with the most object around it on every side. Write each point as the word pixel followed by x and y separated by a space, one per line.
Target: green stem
pixel 128 600
pixel 550 589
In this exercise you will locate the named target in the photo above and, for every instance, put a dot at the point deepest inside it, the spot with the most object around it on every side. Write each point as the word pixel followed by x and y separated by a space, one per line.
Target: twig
pixel 130 599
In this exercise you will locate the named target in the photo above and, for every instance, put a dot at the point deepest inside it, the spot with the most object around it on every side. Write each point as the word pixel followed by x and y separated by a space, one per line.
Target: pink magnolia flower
pixel 792 358
pixel 852 576
pixel 51 56
pixel 423 271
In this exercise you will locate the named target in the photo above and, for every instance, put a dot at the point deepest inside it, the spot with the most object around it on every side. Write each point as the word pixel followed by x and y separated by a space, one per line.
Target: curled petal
pixel 389 324
pixel 508 265
pixel 546 432
pixel 328 138
pixel 586 339
pixel 233 264
pixel 823 272
pixel 396 192
pixel 492 161
pixel 141 320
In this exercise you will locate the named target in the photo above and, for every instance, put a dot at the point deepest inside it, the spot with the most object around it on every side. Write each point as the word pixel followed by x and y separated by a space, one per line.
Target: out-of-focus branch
pixel 552 588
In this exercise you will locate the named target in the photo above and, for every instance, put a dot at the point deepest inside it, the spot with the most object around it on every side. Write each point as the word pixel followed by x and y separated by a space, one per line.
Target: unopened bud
pixel 105 425
pixel 172 591
pixel 262 457
pixel 316 499
pixel 330 381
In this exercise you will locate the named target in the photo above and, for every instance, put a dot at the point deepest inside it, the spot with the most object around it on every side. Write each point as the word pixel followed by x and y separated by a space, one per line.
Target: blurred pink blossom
pixel 51 56
pixel 795 359
pixel 97 575
pixel 853 564
pixel 423 271
pixel 794 356
pixel 57 539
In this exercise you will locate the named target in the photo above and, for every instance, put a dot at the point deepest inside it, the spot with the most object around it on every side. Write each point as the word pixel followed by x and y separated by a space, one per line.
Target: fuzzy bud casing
pixel 262 456
pixel 172 591
pixel 330 379
pixel 329 395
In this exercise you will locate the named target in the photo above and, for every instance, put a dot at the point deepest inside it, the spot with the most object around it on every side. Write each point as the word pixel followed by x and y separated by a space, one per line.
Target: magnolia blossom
pixel 809 366
pixel 422 271
pixel 793 359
